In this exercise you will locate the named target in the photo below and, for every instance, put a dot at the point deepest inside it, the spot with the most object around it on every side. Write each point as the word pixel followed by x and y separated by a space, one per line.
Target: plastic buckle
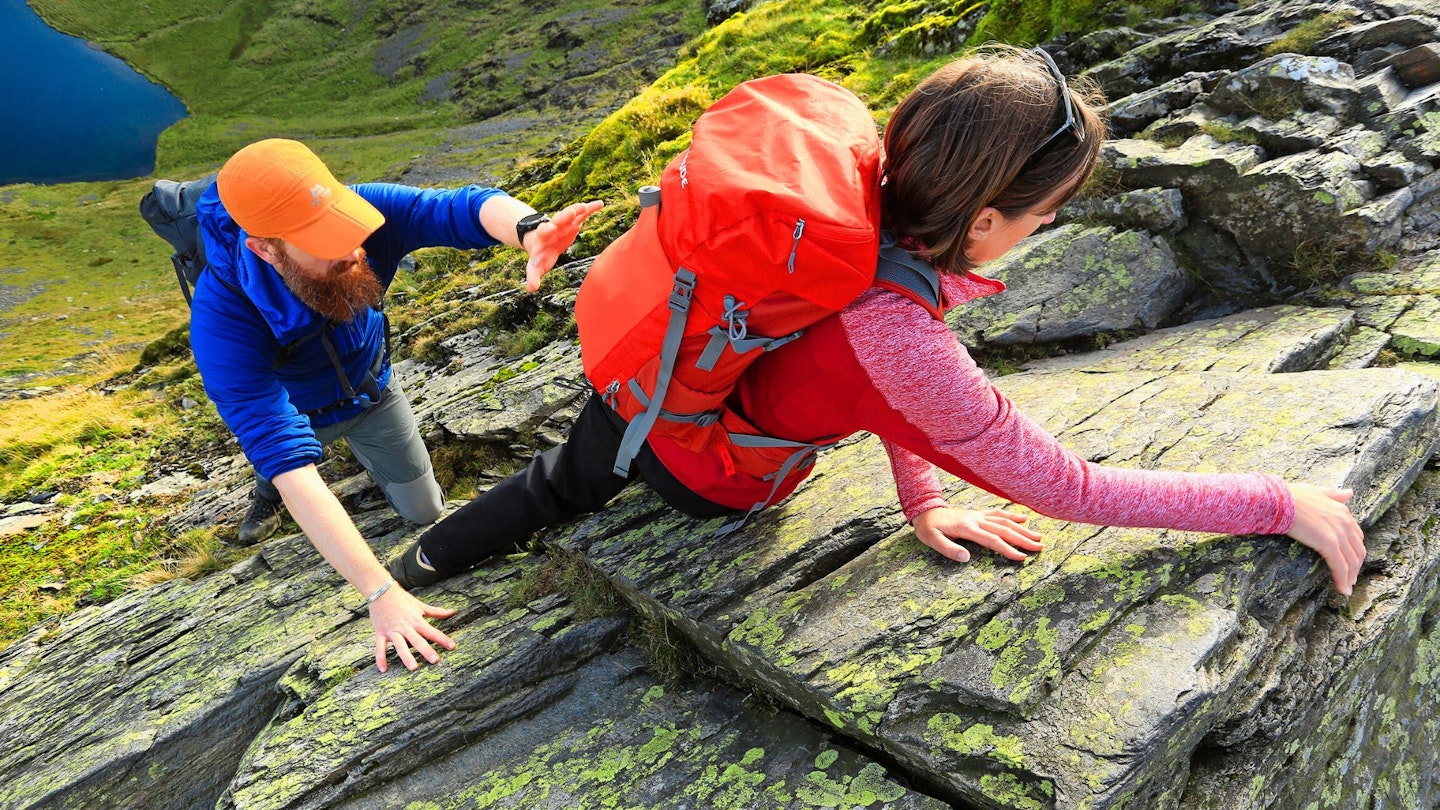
pixel 682 291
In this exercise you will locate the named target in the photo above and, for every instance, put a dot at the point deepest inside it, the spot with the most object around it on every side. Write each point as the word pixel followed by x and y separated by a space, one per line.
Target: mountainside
pixel 1252 283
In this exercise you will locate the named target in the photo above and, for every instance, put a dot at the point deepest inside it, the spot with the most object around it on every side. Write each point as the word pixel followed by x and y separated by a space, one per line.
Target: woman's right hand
pixel 1323 522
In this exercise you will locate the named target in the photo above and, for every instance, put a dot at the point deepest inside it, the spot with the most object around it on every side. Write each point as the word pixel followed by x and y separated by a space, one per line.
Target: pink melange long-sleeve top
pixel 887 365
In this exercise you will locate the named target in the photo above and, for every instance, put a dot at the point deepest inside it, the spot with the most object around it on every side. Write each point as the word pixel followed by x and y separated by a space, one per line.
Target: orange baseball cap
pixel 279 188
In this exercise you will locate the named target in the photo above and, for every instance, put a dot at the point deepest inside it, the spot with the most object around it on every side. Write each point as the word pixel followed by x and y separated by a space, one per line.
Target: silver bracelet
pixel 383 588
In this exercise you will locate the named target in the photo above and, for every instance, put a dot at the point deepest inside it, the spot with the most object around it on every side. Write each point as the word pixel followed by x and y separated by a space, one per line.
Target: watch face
pixel 528 223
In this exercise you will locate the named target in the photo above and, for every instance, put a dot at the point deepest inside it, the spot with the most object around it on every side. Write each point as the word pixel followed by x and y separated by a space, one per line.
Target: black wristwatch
pixel 528 223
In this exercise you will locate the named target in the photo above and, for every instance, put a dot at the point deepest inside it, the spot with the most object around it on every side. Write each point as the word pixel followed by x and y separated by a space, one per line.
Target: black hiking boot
pixel 260 522
pixel 411 572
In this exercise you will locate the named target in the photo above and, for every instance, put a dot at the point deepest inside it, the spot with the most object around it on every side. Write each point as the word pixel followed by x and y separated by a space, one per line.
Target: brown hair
pixel 964 140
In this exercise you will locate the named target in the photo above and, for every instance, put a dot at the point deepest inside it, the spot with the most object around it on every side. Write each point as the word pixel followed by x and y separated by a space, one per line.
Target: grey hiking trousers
pixel 387 443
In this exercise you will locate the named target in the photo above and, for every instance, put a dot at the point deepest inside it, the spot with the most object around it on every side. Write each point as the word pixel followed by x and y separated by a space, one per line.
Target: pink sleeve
pixel 915 481
pixel 942 408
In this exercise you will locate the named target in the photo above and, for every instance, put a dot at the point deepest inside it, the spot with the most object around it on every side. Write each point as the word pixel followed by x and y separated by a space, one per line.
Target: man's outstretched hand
pixel 399 619
pixel 547 242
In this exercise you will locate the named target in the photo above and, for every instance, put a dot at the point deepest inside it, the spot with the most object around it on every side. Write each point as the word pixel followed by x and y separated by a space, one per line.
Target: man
pixel 290 341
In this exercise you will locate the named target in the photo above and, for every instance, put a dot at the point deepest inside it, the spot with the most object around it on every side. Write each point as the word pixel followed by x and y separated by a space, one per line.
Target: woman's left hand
pixel 996 529
pixel 552 238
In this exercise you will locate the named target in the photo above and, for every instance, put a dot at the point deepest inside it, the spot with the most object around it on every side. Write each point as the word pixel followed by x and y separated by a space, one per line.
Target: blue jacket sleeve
pixel 235 354
pixel 417 218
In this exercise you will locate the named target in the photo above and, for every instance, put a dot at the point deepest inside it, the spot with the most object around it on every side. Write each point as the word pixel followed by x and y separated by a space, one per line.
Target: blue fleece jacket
pixel 243 314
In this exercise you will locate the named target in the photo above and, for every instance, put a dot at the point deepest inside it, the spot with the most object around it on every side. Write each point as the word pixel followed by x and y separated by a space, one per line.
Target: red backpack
pixel 769 222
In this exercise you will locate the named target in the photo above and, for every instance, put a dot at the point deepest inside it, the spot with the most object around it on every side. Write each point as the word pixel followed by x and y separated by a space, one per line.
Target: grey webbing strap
pixel 805 451
pixel 703 418
pixel 899 266
pixel 736 328
pixel 719 339
pixel 640 427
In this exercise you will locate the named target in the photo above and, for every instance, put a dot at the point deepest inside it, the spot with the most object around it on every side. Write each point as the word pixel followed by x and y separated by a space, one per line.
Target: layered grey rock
pixel 1266 341
pixel 1158 210
pixel 1405 303
pixel 1075 282
pixel 1090 675
pixel 256 688
pixel 1276 756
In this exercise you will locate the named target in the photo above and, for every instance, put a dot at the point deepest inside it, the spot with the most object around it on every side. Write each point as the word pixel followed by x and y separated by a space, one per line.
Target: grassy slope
pixel 349 79
pixel 99 282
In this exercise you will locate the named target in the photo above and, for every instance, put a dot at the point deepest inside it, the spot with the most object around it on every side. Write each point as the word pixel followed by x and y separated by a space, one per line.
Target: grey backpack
pixel 169 207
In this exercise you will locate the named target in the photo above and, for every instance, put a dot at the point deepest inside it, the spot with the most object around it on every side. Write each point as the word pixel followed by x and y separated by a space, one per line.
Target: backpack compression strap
pixel 803 456
pixel 735 333
pixel 640 426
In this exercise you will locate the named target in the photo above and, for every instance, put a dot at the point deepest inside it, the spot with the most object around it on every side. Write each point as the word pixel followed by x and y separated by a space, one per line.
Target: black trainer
pixel 411 572
pixel 260 522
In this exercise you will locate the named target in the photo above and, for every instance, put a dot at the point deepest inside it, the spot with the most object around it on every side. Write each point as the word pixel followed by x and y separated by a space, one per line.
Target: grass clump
pixel 590 593
pixel 192 555
pixel 1302 38
pixel 1171 139
pixel 1225 132
pixel 1028 22
pixel 172 345
pixel 461 466
pixel 1318 262
pixel 1275 103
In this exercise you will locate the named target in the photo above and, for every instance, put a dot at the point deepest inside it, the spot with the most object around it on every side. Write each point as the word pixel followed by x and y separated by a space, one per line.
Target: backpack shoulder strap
pixel 901 271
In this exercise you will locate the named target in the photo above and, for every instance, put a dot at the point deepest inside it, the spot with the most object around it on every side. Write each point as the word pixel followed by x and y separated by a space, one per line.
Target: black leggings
pixel 572 479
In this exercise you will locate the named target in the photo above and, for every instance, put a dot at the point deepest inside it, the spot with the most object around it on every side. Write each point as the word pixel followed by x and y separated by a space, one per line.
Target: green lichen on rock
pixel 952 734
pixel 1027 662
pixel 1009 791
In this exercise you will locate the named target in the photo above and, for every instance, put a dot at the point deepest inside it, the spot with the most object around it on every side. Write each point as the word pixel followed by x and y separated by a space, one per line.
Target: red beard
pixel 347 288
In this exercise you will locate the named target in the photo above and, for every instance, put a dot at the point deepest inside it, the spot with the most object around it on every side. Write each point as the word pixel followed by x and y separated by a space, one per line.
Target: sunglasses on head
pixel 1073 123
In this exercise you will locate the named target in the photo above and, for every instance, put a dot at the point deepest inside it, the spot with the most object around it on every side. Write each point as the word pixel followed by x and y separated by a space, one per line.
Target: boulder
pixel 1381 92
pixel 1267 341
pixel 1405 31
pixel 1318 734
pixel 1416 332
pixel 1074 282
pixel 718 11
pixel 1361 349
pixel 1098 673
pixel 1137 111
pixel 1393 170
pixel 1222 43
pixel 256 688
pixel 1297 132
pixel 1419 66
pixel 1283 203
pixel 1402 302
pixel 151 700
pixel 1158 210
pixel 1198 167
pixel 1288 82
pixel 501 403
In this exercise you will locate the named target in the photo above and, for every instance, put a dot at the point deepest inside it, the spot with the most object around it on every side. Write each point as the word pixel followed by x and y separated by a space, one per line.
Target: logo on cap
pixel 319 194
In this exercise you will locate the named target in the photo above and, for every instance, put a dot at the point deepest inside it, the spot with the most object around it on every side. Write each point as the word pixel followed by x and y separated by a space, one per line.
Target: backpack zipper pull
pixel 799 229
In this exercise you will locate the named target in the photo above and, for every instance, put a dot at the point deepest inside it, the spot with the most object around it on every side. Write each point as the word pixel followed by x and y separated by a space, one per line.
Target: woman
pixel 979 156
